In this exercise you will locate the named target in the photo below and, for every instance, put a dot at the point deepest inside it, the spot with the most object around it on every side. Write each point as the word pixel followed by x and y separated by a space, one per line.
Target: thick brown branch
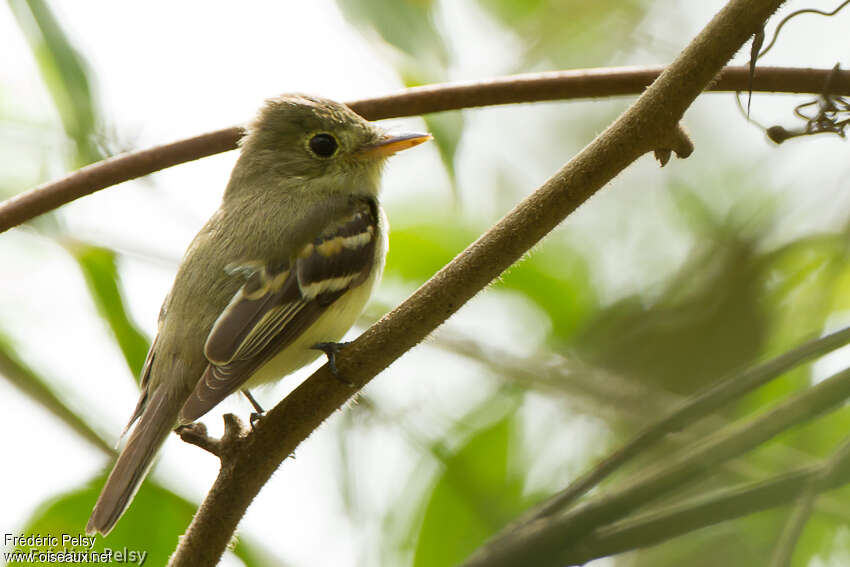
pixel 640 129
pixel 560 85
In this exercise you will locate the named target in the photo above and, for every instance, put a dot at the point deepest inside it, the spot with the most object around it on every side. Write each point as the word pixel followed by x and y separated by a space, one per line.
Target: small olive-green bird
pixel 283 268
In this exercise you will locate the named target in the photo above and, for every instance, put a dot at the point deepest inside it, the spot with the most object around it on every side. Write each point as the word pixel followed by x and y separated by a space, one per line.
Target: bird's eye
pixel 323 145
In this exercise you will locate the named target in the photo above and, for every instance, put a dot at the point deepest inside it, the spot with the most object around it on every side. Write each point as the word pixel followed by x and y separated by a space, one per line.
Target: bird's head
pixel 306 138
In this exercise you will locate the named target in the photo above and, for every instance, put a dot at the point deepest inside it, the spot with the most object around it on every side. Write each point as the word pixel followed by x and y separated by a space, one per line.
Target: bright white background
pixel 167 70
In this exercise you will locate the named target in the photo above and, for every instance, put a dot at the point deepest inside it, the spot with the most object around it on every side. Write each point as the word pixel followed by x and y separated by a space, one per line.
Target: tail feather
pixel 134 462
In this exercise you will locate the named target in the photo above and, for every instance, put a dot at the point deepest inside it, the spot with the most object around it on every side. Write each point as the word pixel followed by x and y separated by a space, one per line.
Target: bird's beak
pixel 388 145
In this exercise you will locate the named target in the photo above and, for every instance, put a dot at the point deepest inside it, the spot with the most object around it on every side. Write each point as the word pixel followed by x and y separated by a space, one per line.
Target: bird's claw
pixel 255 418
pixel 331 349
pixel 258 412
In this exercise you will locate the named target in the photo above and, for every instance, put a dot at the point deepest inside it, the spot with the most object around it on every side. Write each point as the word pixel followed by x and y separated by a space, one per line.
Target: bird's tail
pixel 150 432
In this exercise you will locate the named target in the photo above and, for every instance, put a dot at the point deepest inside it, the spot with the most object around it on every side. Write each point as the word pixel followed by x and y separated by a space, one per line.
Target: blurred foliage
pixel 734 302
pixel 567 33
pixel 40 389
pixel 99 268
pixel 476 492
pixel 65 74
pixel 707 321
pixel 409 27
pixel 420 54
pixel 737 299
pixel 66 514
pixel 447 129
pixel 555 276
pixel 152 524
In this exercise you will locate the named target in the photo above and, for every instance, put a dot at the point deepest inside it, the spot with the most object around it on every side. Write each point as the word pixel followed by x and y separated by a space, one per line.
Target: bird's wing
pixel 273 308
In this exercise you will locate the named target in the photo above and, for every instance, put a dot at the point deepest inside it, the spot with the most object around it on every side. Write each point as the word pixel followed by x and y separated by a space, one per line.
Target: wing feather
pixel 273 308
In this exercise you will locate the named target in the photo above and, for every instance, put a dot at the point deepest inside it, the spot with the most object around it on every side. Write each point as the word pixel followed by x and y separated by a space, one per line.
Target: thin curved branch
pixel 829 473
pixel 112 171
pixel 533 87
pixel 651 528
pixel 689 411
pixel 608 393
pixel 793 15
pixel 783 553
pixel 642 128
pixel 548 541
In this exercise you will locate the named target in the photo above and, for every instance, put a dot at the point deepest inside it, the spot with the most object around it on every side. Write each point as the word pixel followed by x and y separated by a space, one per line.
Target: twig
pixel 588 389
pixel 758 39
pixel 651 528
pixel 661 525
pixel 691 410
pixel 558 85
pixel 196 434
pixel 825 478
pixel 793 15
pixel 555 375
pixel 547 540
pixel 677 142
pixel 639 130
pixel 796 523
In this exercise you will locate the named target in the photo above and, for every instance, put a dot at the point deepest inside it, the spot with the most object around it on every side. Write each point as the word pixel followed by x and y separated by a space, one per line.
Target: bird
pixel 277 276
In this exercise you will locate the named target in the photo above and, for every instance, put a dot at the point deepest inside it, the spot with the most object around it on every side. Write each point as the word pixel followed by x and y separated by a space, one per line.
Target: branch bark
pixel 643 128
pixel 533 87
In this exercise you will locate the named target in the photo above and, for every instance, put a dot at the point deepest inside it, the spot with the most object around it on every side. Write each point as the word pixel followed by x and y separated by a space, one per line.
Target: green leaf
pixel 417 252
pixel 841 289
pixel 30 383
pixel 817 539
pixel 101 273
pixel 798 280
pixel 447 129
pixel 65 74
pixel 408 26
pixel 698 215
pixel 475 495
pixel 152 524
pixel 708 320
pixel 567 32
pixel 555 277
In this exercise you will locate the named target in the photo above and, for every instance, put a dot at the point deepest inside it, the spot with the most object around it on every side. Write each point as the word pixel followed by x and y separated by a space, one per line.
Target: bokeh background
pixel 662 283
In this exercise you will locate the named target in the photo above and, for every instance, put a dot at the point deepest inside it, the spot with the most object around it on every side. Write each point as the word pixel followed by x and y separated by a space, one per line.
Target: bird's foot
pixel 331 349
pixel 258 412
